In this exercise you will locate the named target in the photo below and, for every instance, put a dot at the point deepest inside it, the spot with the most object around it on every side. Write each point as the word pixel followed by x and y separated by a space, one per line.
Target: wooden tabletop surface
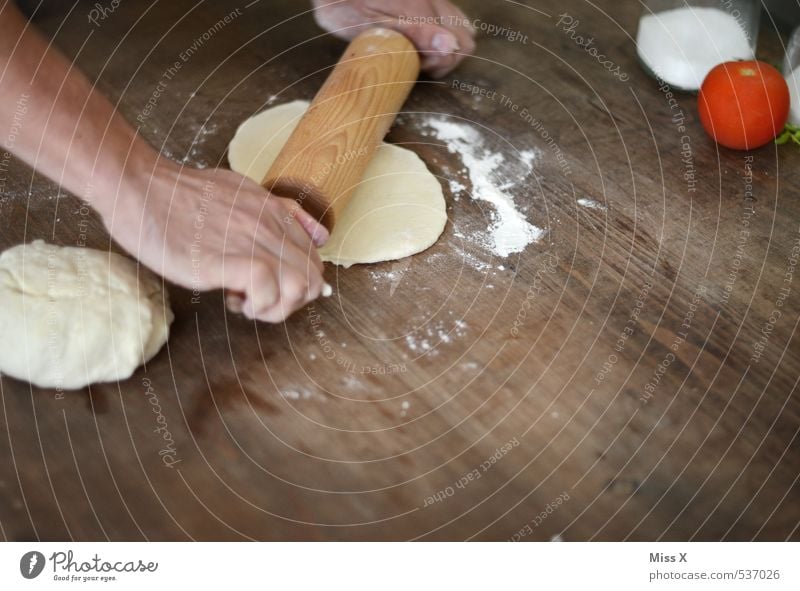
pixel 633 375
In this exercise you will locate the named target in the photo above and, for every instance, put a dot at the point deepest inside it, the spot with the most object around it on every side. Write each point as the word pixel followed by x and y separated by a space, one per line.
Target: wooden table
pixel 625 378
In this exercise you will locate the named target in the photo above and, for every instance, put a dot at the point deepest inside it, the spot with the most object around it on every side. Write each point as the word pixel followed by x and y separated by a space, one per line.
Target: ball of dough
pixel 73 316
pixel 397 209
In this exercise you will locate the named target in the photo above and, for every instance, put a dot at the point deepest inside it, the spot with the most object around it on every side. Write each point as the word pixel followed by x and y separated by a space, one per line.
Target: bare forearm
pixel 63 127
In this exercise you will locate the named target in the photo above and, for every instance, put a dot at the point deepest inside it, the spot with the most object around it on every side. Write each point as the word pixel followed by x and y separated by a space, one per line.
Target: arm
pixel 150 205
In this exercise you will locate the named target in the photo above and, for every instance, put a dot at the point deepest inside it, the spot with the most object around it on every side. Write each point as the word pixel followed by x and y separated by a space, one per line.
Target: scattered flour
pixel 425 339
pixel 456 187
pixel 681 45
pixel 509 231
pixel 527 157
pixel 591 203
pixel 470 258
pixel 193 155
pixel 301 393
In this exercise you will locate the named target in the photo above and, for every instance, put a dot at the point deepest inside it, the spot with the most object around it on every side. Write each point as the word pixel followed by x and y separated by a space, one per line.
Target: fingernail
pixel 444 43
pixel 234 302
pixel 320 235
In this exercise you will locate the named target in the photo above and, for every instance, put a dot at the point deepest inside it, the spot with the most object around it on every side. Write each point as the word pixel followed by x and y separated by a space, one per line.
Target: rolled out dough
pixel 397 210
pixel 73 316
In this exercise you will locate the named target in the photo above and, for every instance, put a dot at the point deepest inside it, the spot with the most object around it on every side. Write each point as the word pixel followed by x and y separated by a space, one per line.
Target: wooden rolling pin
pixel 325 157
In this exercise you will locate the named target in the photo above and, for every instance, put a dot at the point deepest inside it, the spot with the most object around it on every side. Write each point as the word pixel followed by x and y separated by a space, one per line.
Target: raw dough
pixel 73 316
pixel 397 210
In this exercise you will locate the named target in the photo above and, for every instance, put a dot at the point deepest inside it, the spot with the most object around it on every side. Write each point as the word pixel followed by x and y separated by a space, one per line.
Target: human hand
pixel 440 31
pixel 209 229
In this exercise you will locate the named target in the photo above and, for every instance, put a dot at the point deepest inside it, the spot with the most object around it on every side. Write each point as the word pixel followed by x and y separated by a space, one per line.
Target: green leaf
pixel 790 132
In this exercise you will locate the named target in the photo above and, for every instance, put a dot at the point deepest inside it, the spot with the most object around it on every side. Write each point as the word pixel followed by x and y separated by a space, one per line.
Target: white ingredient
pixel 793 81
pixel 683 44
pixel 509 231
pixel 327 290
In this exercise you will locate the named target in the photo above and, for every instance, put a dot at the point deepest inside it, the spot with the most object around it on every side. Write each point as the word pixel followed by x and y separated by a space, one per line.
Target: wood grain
pixel 325 157
pixel 630 389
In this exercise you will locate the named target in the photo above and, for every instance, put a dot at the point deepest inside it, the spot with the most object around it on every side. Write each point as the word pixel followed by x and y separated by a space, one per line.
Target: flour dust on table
pixel 509 230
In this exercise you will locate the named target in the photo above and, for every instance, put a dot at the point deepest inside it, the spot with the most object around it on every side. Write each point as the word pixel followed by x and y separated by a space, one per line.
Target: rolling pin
pixel 326 155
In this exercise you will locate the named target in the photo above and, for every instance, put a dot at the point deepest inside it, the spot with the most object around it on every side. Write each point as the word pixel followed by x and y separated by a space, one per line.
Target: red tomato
pixel 743 105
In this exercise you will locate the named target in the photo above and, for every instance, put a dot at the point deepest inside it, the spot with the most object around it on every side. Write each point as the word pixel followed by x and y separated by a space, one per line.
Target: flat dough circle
pixel 397 210
pixel 74 316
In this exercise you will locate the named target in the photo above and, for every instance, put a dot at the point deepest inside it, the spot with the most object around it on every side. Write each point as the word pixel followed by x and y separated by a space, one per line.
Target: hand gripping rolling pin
pixel 326 155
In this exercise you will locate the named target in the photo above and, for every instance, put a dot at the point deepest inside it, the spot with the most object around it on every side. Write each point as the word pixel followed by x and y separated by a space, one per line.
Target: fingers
pixel 234 301
pixel 440 31
pixel 458 24
pixel 319 234
pixel 265 289
pixel 272 267
pixel 296 290
pixel 250 283
pixel 300 226
pixel 441 48
pixel 281 233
